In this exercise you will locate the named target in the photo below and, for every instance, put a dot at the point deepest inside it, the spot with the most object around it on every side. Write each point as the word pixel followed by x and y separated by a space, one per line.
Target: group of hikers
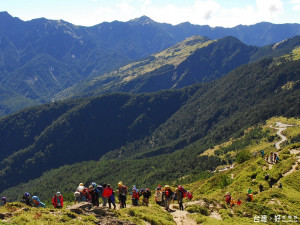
pixel 231 202
pixel 95 193
pixel 163 195
pixel 272 158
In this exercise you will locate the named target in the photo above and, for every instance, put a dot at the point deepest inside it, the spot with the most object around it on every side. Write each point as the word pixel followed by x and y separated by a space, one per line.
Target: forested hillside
pixel 195 60
pixel 148 125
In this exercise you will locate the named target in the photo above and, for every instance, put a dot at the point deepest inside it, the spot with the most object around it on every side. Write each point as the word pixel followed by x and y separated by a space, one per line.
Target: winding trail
pixel 182 217
pixel 280 127
pixel 295 152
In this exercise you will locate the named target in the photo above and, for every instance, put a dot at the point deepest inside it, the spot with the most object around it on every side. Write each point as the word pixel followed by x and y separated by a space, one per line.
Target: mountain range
pixel 135 96
pixel 156 128
pixel 41 58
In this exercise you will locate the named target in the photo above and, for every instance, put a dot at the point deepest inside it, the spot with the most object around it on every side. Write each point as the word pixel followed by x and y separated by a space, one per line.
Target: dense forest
pixel 147 127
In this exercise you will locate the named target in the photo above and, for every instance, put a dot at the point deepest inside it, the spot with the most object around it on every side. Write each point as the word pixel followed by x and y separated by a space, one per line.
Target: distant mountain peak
pixel 142 20
pixel 5 15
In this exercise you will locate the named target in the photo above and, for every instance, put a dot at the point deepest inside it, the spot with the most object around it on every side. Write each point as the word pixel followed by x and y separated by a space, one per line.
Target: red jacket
pixel 55 201
pixel 86 193
pixel 135 195
pixel 107 192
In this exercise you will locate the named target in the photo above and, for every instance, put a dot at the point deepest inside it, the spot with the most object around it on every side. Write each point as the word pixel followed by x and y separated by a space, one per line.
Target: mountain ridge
pixel 247 95
pixel 95 50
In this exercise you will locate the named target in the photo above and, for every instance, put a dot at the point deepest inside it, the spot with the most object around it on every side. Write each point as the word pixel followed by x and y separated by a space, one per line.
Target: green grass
pixel 29 215
pixel 250 173
pixel 154 214
pixel 272 201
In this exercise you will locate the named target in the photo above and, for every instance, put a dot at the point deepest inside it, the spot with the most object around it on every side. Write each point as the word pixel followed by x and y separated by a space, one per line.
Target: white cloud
pixel 296 4
pixel 201 12
pixel 269 8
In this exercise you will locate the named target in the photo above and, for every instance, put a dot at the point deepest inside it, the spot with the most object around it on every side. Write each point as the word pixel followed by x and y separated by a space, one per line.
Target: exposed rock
pixel 80 208
pixel 112 221
pixel 104 215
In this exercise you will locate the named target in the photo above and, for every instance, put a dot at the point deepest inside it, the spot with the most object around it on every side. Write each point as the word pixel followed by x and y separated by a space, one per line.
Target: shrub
pixel 243 156
pixel 197 209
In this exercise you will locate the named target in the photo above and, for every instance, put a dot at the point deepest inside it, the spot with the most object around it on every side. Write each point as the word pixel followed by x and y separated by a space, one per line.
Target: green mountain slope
pixel 11 101
pixel 147 125
pixel 42 77
pixel 77 52
pixel 208 205
pixel 98 124
pixel 194 60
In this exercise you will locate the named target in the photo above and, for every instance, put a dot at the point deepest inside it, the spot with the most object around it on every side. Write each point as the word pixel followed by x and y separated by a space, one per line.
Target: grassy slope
pixel 272 201
pixel 171 56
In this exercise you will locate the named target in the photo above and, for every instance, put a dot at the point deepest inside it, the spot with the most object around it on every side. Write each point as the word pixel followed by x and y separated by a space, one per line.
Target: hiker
pixel 180 194
pixel 135 197
pixel 249 191
pixel 239 202
pixel 26 199
pixel 109 192
pixel 280 185
pixel 277 159
pixel 271 182
pixel 261 187
pixel 262 152
pixel 232 203
pixel 228 198
pixel 37 202
pixel 158 196
pixel 168 195
pixel 77 197
pixel 267 177
pixel 96 194
pixel 267 157
pixel 146 195
pixel 83 193
pixel 93 192
pixel 274 157
pixel 271 157
pixel 255 154
pixel 58 200
pixel 100 192
pixel 104 195
pixel 122 192
pixel 4 200
pixel 80 187
pixel 248 199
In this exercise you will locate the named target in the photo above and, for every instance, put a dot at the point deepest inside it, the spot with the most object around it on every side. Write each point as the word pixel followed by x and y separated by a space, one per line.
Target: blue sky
pixel 227 13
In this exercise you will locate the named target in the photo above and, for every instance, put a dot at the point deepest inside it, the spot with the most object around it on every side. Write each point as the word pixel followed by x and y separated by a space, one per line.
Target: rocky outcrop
pixel 105 215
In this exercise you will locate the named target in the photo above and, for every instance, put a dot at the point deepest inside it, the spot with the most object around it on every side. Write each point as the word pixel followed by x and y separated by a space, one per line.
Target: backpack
pixel 167 192
pixel 100 190
pixel 148 191
pixel 190 196
pixel 183 191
